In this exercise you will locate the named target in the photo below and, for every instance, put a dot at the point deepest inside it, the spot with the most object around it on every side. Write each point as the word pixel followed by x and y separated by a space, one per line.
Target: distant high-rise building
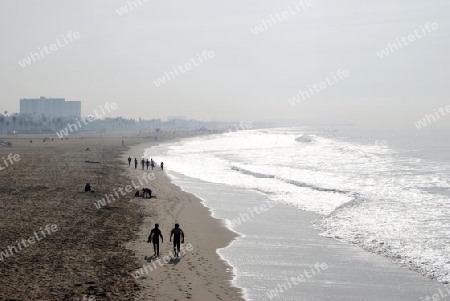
pixel 50 107
pixel 172 118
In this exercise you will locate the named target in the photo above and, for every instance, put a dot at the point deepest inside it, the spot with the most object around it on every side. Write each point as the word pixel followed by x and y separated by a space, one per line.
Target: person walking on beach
pixel 129 161
pixel 135 163
pixel 178 239
pixel 147 163
pixel 154 237
pixel 162 165
pixel 143 163
pixel 152 163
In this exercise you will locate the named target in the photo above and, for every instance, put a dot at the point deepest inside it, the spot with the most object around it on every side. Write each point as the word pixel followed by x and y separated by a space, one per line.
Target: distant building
pixel 173 118
pixel 72 108
pixel 50 107
pixel 176 121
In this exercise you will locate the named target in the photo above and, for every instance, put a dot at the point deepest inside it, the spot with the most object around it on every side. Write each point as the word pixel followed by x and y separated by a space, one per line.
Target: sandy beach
pixel 61 243
pixel 198 274
pixel 57 245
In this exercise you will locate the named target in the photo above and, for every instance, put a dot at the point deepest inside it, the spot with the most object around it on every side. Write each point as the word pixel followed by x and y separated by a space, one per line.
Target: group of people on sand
pixel 145 163
pixel 146 192
pixel 178 239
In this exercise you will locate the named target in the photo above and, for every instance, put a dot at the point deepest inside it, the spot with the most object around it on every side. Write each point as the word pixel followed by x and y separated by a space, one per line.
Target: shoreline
pixel 96 250
pixel 204 274
pixel 270 251
pixel 346 271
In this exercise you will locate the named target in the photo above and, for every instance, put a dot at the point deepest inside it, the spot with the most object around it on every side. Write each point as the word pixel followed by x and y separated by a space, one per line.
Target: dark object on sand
pixel 5 143
pixel 88 188
pixel 87 149
pixel 146 191
pixel 87 161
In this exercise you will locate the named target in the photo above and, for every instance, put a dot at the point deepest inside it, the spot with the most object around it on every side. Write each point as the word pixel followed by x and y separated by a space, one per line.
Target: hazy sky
pixel 251 77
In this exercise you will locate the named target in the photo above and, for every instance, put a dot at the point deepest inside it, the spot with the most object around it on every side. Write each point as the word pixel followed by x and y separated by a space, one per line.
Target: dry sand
pixel 87 256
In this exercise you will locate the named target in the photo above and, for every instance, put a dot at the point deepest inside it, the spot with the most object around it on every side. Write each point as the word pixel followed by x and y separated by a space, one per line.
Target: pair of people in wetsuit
pixel 178 239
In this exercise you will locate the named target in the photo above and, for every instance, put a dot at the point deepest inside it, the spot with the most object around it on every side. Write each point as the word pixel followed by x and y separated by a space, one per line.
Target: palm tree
pixel 53 123
pixel 2 121
pixel 14 120
pixel 59 122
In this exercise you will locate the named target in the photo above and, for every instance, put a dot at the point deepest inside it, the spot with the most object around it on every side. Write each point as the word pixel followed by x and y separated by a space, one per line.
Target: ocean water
pixel 386 192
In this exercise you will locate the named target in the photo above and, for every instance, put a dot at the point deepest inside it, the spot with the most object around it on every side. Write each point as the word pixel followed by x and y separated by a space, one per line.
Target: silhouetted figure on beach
pixel 143 163
pixel 146 191
pixel 135 163
pixel 154 237
pixel 129 161
pixel 88 188
pixel 152 163
pixel 178 238
pixel 162 165
pixel 147 163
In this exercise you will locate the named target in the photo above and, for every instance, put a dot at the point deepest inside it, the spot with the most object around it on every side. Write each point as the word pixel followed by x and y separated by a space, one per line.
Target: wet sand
pixel 198 274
